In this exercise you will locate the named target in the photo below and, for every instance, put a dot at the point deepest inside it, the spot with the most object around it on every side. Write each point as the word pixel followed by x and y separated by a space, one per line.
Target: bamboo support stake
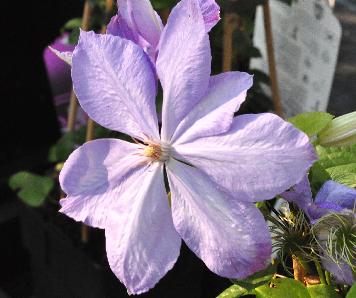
pixel 91 124
pixel 73 105
pixel 271 60
pixel 230 20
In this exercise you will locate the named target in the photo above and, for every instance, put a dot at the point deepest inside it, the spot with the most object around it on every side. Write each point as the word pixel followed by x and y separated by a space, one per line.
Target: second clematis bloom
pixel 332 198
pixel 217 165
pixel 137 21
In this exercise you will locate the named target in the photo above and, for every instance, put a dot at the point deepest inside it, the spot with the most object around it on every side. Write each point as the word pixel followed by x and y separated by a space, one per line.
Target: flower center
pixel 157 152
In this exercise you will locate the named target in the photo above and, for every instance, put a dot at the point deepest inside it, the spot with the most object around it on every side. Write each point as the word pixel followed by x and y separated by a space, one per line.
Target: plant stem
pixel 320 272
pixel 327 277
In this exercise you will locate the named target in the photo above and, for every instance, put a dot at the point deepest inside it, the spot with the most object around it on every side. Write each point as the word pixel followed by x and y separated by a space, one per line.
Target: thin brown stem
pixel 230 21
pixel 271 60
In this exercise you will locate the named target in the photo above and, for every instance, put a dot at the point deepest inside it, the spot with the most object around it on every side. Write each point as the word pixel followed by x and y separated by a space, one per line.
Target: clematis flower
pixel 139 22
pixel 217 165
pixel 332 198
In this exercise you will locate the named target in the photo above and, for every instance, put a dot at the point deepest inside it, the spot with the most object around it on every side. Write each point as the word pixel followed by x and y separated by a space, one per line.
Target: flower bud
pixel 341 131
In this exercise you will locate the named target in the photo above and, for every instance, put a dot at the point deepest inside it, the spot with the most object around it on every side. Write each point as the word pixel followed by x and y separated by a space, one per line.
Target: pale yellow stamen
pixel 156 152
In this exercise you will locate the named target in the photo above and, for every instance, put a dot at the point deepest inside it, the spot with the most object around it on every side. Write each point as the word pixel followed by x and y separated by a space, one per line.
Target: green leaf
pixel 352 292
pixel 311 123
pixel 72 24
pixel 317 177
pixel 282 288
pixel 33 188
pixel 234 291
pixel 258 279
pixel 322 291
pixel 339 163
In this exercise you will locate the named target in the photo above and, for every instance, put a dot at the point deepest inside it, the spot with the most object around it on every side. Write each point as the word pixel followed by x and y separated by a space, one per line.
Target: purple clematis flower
pixel 217 165
pixel 332 197
pixel 139 22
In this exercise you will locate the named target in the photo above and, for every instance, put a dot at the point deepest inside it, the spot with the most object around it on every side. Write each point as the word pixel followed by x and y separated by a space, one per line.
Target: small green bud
pixel 340 132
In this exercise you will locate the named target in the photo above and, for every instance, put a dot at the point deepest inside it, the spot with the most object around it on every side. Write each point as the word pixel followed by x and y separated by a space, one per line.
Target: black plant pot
pixel 63 268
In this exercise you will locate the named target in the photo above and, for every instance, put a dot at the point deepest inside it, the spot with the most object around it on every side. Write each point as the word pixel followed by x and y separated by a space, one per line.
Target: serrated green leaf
pixel 258 279
pixel 282 288
pixel 234 291
pixel 352 292
pixel 33 188
pixel 322 291
pixel 339 163
pixel 311 123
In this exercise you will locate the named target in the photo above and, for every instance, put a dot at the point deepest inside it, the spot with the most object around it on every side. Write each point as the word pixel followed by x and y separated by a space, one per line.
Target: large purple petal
pixel 211 13
pixel 336 193
pixel 183 64
pixel 115 84
pixel 259 157
pixel 95 176
pixel 300 194
pixel 141 242
pixel 214 113
pixel 231 237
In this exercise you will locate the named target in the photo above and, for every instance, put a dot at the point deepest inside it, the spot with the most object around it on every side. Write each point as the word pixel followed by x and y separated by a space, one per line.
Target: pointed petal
pixel 214 113
pixel 300 194
pixel 141 242
pixel 259 157
pixel 94 177
pixel 336 193
pixel 65 56
pixel 142 18
pixel 231 237
pixel 183 64
pixel 115 84
pixel 211 13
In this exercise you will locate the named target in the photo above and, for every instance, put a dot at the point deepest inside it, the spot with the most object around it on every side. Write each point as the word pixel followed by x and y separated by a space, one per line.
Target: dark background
pixel 28 124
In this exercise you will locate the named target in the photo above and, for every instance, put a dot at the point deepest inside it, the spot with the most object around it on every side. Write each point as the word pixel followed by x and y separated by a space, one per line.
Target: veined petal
pixel 300 194
pixel 231 237
pixel 259 157
pixel 336 193
pixel 138 22
pixel 214 113
pixel 341 272
pixel 183 64
pixel 141 17
pixel 115 84
pixel 95 176
pixel 211 13
pixel 141 242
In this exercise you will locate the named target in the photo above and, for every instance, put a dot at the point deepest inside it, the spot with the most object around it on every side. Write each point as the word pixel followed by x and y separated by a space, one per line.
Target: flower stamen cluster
pixel 157 152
